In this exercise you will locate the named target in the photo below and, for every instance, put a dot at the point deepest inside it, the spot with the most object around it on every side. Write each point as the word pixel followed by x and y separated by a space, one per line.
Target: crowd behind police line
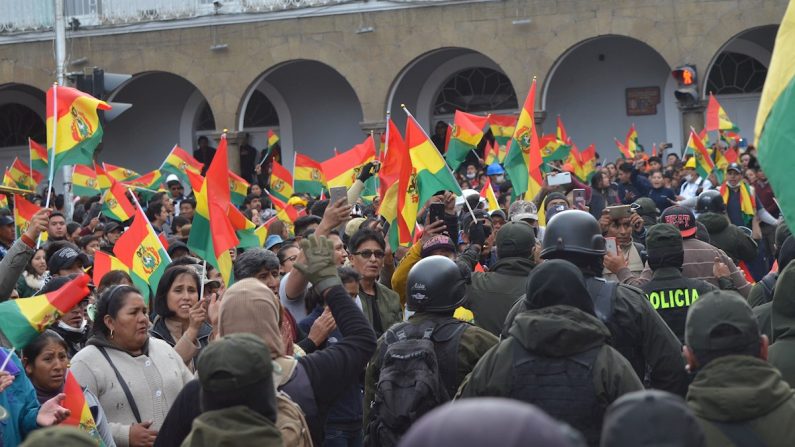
pixel 609 325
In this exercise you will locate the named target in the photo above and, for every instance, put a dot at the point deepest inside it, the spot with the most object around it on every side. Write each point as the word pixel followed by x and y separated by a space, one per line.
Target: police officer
pixel 637 331
pixel 669 292
pixel 722 233
pixel 436 286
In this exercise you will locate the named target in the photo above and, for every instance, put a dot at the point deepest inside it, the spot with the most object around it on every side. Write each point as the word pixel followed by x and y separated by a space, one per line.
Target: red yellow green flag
pixel 118 173
pixel 23 319
pixel 103 179
pixel 104 263
pixel 624 150
pixel 273 139
pixel 38 156
pixel 238 188
pixel 398 204
pixel 488 193
pixel 391 163
pixel 553 149
pixel 23 212
pixel 704 164
pixel 432 174
pixel 8 181
pixel 490 154
pixel 632 143
pixel 502 128
pixel 179 162
pixel 523 162
pixel 84 181
pixel 73 128
pixel 146 185
pixel 343 169
pixel 141 251
pixel 717 119
pixel 308 175
pixel 465 136
pixel 115 204
pixel 747 200
pixel 281 182
pixel 212 235
pixel 560 132
pixel 3 201
pixel 587 163
pixel 24 176
pixel 250 235
pixel 196 180
pixel 79 413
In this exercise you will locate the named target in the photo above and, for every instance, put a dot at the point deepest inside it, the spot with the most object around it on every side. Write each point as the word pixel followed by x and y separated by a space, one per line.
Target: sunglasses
pixel 367 254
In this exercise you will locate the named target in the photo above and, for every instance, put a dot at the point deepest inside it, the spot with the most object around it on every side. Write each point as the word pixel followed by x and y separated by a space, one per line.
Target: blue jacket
pixel 639 186
pixel 661 196
pixel 19 399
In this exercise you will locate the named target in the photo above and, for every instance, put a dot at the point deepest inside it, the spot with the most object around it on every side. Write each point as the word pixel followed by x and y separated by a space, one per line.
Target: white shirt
pixel 689 190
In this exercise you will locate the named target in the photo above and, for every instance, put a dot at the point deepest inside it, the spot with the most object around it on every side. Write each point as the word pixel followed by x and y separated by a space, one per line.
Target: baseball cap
pixel 233 362
pixel 175 245
pixel 438 242
pixel 273 239
pixel 522 210
pixel 65 258
pixel 6 220
pixel 681 217
pixel 112 226
pixel 720 308
pixel 515 239
pixel 664 238
pixel 172 179
pixel 734 167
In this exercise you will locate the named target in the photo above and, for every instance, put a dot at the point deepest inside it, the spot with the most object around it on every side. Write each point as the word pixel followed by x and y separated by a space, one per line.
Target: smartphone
pixel 562 178
pixel 336 193
pixel 610 246
pixel 619 211
pixel 435 212
pixel 579 198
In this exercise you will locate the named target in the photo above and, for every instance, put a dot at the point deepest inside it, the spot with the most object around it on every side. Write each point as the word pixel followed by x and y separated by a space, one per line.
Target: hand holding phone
pixel 610 246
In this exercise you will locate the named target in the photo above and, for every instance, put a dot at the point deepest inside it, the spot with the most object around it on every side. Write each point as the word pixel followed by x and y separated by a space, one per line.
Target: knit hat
pixel 554 196
pixel 515 240
pixel 250 306
pixel 720 308
pixel 233 362
pixel 438 242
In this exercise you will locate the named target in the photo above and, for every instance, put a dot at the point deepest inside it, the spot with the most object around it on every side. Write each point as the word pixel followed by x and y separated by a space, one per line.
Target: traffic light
pixel 687 91
pixel 99 85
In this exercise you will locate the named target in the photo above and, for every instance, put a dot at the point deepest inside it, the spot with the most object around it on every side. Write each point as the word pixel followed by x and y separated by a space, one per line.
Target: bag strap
pixel 123 384
pixel 739 434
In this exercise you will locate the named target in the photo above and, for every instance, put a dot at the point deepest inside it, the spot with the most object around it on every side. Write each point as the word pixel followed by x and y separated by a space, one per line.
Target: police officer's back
pixel 737 244
pixel 669 292
pixel 637 331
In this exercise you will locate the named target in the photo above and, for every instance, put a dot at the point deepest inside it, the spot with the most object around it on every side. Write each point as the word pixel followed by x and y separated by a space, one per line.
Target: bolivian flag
pixel 587 163
pixel 80 414
pixel 38 156
pixel 73 115
pixel 632 144
pixel 179 162
pixel 238 187
pixel 118 173
pixel 212 234
pixel 281 182
pixel 84 181
pixel 24 176
pixel 465 136
pixel 273 140
pixel 8 181
pixel 553 149
pixel 490 155
pixel 488 193
pixel 343 169
pixel 523 162
pixel 502 128
pixel 704 164
pixel 104 263
pixel 308 175
pixel 747 200
pixel 23 212
pixel 115 203
pixel 398 204
pixel 147 185
pixel 775 121
pixel 717 119
pixel 103 179
pixel 142 252
pixel 250 235
pixel 23 319
pixel 3 201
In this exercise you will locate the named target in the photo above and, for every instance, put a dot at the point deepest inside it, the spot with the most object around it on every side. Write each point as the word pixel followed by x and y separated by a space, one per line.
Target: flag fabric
pixel 391 162
pixel 775 122
pixel 432 174
pixel 73 114
pixel 273 139
pixel 250 235
pixel 523 162
pixel 632 143
pixel 502 128
pixel 104 263
pixel 196 180
pixel 717 119
pixel 179 162
pixel 624 150
pixel 281 182
pixel 79 412
pixel 342 170
pixel 84 181
pixel 141 251
pixel 704 164
pixel 24 176
pixel 285 212
pixel 115 204
pixel 103 179
pixel 23 319
pixel 490 154
pixel 150 181
pixel 118 173
pixel 395 175
pixel 465 136
pixel 3 201
pixel 23 212
pixel 587 163
pixel 747 200
pixel 553 149
pixel 654 149
pixel 560 132
pixel 238 187
pixel 488 193
pixel 212 234
pixel 307 175
pixel 38 157
pixel 8 181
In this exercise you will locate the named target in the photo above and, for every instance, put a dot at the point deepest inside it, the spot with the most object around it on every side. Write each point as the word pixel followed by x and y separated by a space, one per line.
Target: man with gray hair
pixel 260 264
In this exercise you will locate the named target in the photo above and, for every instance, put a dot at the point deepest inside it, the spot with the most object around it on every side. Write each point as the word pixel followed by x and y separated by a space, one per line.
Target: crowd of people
pixel 640 307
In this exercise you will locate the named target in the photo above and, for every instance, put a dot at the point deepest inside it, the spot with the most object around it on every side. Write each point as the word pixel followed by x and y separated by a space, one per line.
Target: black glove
pixel 367 171
pixel 477 234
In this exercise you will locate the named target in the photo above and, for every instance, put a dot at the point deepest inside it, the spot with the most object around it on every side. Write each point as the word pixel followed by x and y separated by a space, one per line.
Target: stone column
pixel 692 116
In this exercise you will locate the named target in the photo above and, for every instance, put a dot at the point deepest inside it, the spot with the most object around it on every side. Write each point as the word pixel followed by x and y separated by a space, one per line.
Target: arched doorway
pixel 167 110
pixel 22 115
pixel 309 104
pixel 589 87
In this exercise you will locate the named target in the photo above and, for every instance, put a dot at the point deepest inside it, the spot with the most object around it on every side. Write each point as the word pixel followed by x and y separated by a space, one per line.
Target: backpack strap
pixel 124 387
pixel 740 435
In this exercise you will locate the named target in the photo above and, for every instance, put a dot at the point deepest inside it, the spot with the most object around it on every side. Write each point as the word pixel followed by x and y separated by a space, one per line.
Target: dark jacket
pixel 159 330
pixel 491 294
pixel 782 352
pixel 387 305
pixel 75 340
pixel 638 186
pixel 747 392
pixel 729 238
pixel 553 332
pixel 763 319
pixel 237 426
pixel 183 411
pixel 662 197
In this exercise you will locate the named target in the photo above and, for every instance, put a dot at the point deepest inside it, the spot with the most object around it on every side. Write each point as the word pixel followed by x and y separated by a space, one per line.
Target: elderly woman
pixel 46 360
pixel 135 377
pixel 181 317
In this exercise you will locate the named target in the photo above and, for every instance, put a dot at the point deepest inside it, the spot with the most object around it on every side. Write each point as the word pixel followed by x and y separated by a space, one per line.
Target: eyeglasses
pixel 367 254
pixel 290 259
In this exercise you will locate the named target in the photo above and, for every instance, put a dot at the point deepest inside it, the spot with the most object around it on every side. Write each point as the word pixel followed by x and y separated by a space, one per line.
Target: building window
pixel 475 90
pixel 17 123
pixel 260 112
pixel 735 73
pixel 206 120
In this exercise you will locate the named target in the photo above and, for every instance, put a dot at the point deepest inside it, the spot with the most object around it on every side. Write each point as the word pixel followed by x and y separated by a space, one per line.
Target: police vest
pixel 672 305
pixel 562 387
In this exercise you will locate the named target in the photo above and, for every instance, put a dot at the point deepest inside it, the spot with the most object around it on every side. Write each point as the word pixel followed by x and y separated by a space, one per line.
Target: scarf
pixel 747 201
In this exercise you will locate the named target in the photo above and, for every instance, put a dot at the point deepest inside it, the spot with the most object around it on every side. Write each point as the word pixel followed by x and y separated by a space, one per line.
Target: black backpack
pixel 418 373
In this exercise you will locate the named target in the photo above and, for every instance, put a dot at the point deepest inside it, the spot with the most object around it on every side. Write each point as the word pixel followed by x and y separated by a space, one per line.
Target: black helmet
pixel 710 202
pixel 436 284
pixel 573 231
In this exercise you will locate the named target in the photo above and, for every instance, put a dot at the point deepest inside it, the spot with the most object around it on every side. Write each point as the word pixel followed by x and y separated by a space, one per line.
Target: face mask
pixel 470 176
pixel 499 178
pixel 689 177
